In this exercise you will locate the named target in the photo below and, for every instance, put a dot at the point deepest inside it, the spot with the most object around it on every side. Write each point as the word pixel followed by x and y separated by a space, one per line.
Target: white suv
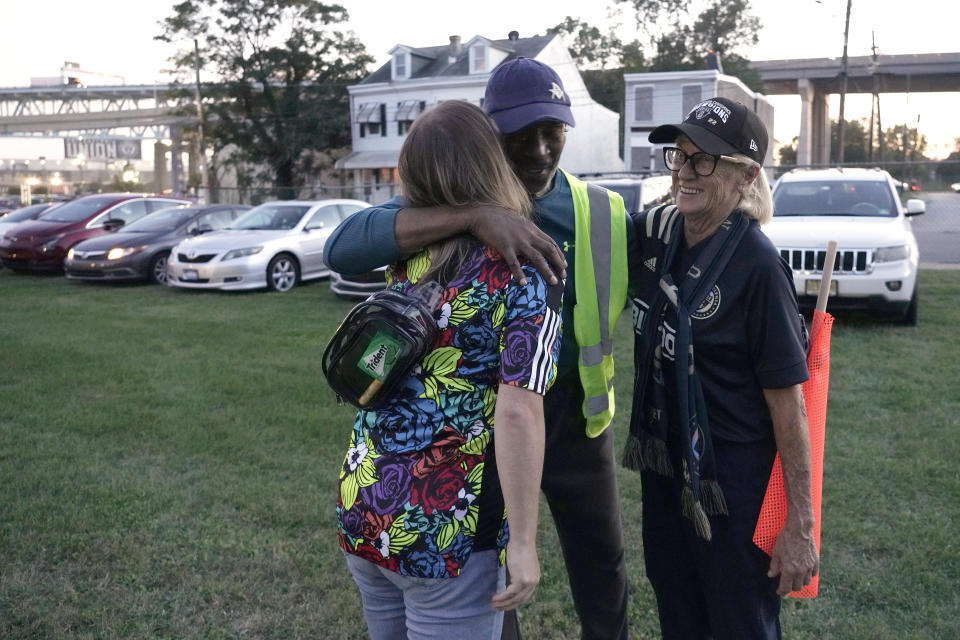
pixel 877 257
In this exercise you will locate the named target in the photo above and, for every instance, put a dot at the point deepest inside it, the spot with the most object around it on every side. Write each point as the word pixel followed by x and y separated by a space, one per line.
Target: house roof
pixel 440 65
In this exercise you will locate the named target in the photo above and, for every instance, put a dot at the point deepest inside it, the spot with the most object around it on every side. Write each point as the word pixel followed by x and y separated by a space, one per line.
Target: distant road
pixel 938 230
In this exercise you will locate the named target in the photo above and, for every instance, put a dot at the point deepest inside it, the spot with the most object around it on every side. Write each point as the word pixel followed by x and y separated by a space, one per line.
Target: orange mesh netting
pixel 773 513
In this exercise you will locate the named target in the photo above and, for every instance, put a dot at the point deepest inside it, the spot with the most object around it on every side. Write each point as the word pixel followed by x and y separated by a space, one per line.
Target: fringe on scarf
pixel 649 454
pixel 712 496
pixel 693 511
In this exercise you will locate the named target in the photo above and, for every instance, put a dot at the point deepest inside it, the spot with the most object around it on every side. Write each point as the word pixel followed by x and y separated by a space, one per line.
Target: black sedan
pixel 140 251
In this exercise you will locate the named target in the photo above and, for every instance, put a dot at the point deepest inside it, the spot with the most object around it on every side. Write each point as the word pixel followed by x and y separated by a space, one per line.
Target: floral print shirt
pixel 412 477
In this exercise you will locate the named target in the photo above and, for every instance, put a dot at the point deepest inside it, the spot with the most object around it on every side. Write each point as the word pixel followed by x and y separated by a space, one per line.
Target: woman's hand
pixel 794 558
pixel 518 439
pixel 523 567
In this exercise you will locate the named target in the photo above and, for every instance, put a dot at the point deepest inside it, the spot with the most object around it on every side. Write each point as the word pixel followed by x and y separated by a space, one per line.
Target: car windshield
pixel 78 210
pixel 271 216
pixel 165 220
pixel 26 213
pixel 834 198
pixel 629 192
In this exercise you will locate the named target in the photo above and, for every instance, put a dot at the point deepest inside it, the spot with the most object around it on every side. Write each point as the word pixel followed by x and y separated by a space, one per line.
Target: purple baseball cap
pixel 522 91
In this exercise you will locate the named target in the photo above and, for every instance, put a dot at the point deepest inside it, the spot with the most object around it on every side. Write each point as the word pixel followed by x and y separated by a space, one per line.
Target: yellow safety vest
pixel 600 252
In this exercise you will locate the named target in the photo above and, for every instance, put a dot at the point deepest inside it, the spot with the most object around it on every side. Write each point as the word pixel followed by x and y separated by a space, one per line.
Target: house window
pixel 371 118
pixel 407 112
pixel 479 58
pixel 400 65
pixel 643 103
pixel 691 97
pixel 640 158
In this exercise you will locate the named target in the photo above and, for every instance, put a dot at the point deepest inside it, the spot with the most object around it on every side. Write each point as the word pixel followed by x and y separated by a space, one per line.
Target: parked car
pixel 15 217
pixel 42 244
pixel 955 186
pixel 274 245
pixel 9 202
pixel 877 258
pixel 358 286
pixel 639 192
pixel 139 251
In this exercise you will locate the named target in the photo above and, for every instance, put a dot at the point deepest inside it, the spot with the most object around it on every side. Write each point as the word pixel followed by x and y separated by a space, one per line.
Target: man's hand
pixel 794 558
pixel 523 567
pixel 501 229
pixel 513 236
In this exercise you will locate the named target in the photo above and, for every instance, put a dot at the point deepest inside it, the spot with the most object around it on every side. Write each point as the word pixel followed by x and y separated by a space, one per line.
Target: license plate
pixel 813 287
pixel 189 274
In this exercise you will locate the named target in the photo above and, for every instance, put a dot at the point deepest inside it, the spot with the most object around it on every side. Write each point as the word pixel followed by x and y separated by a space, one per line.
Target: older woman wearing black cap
pixel 720 358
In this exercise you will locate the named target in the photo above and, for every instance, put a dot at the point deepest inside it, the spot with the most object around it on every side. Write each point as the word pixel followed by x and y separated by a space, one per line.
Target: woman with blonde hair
pixel 720 359
pixel 428 512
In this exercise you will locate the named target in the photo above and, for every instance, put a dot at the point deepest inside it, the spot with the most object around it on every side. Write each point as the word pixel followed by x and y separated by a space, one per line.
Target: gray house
pixel 659 98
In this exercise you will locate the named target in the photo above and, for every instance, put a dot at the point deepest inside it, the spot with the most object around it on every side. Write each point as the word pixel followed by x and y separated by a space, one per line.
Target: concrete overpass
pixel 145 109
pixel 814 79
pixel 140 111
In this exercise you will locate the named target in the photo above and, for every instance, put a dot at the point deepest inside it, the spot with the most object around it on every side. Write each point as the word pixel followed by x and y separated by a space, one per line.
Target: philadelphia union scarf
pixel 647 444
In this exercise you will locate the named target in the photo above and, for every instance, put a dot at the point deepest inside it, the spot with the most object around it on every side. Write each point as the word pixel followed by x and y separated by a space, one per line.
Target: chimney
pixel 455 47
pixel 513 35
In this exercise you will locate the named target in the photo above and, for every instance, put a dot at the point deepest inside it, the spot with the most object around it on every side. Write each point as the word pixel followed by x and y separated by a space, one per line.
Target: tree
pixel 675 36
pixel 901 144
pixel 283 67
pixel 788 153
pixel 587 45
pixel 855 140
pixel 680 34
pixel 904 144
pixel 948 170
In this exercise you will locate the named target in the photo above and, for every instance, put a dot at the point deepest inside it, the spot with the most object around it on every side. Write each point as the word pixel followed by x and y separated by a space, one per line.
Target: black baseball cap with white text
pixel 719 126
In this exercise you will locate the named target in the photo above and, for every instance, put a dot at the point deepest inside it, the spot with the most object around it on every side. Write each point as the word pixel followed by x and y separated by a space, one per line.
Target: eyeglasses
pixel 703 163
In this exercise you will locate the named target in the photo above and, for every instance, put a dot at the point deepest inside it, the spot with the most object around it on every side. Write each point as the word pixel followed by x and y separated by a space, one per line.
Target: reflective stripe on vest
pixel 600 269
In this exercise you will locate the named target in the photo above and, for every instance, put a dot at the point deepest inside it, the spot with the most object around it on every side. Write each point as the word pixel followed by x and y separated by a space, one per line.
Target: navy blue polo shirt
pixel 747 336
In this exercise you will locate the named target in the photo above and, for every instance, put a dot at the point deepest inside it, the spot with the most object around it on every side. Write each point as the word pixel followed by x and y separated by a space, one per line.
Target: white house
pixel 667 97
pixel 385 103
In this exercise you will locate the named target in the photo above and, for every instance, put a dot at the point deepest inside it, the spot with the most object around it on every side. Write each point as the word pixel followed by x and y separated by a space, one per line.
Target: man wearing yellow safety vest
pixel 527 101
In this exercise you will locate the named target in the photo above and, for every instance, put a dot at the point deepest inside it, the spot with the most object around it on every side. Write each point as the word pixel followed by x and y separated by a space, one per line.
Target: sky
pixel 116 37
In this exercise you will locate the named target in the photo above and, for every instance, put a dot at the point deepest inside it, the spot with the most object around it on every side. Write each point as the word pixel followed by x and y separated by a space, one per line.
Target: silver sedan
pixel 275 245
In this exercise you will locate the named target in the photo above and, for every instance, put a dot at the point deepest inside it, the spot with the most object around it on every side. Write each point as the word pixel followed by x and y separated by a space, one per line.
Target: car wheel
pixel 910 315
pixel 158 268
pixel 283 273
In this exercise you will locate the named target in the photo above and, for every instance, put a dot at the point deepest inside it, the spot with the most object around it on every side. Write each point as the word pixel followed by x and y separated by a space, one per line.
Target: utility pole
pixel 204 195
pixel 881 139
pixel 873 98
pixel 843 87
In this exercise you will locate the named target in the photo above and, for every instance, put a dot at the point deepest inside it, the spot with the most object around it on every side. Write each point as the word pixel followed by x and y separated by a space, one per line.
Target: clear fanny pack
pixel 377 343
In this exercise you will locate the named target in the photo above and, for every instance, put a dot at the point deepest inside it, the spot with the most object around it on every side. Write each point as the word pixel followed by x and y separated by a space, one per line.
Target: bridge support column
pixel 160 176
pixel 813 146
pixel 176 161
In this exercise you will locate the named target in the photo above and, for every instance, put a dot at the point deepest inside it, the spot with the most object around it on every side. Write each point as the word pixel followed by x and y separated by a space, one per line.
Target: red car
pixel 42 244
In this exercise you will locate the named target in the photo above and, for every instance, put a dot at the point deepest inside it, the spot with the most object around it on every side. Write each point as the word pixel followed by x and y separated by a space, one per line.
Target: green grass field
pixel 168 468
